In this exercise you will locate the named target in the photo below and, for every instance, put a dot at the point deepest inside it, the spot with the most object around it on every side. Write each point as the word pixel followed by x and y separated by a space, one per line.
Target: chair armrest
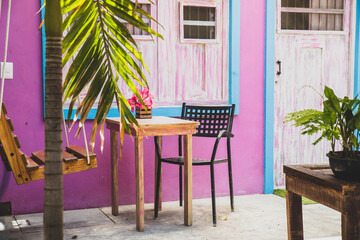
pixel 224 133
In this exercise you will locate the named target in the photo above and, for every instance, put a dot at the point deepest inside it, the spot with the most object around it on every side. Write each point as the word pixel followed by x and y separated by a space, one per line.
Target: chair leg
pixel 213 194
pixel 180 185
pixel 157 189
pixel 230 175
pixel 231 186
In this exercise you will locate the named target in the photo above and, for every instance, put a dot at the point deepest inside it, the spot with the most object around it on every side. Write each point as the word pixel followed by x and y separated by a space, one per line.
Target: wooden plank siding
pixel 309 61
pixel 190 70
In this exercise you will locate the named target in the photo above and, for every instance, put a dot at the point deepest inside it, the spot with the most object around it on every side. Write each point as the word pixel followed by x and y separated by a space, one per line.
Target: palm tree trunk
pixel 53 191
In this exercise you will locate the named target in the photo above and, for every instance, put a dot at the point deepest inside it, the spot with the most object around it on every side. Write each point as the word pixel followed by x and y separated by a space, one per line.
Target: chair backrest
pixel 212 119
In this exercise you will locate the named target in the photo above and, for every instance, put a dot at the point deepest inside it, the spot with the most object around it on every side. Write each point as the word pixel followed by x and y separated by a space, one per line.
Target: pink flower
pixel 145 96
pixel 132 103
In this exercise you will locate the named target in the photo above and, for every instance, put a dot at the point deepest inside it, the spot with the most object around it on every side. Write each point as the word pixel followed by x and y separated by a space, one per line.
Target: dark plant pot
pixel 347 168
pixel 142 113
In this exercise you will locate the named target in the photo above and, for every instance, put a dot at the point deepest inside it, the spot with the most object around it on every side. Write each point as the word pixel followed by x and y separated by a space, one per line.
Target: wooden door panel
pixel 191 71
pixel 309 60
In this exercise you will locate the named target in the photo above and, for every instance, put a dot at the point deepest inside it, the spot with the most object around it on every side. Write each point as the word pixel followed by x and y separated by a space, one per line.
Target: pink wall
pixel 23 98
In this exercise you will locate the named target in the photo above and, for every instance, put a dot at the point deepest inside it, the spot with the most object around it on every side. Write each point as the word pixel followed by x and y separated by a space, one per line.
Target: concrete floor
pixel 256 217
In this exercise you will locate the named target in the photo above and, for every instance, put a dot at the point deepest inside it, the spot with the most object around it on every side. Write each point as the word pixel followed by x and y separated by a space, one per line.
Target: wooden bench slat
pixel 68 157
pixel 17 141
pixel 68 167
pixel 5 159
pixel 38 157
pixel 78 151
pixel 31 165
pixel 27 169
pixel 23 157
pixel 4 109
pixel 8 120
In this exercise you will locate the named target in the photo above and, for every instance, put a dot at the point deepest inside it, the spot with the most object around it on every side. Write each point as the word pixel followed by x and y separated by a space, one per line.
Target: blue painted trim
pixel 113 112
pixel 357 52
pixel 43 45
pixel 269 97
pixel 234 53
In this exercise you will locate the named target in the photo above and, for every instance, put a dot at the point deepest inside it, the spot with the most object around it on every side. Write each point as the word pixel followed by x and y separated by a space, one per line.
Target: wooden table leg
pixel 159 140
pixel 114 173
pixel 139 175
pixel 294 216
pixel 188 180
pixel 350 220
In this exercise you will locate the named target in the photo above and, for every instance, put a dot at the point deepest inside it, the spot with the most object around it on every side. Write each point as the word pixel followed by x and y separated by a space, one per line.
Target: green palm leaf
pixel 103 53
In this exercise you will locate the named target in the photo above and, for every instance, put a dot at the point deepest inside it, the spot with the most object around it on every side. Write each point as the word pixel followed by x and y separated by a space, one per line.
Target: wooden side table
pixel 318 183
pixel 156 126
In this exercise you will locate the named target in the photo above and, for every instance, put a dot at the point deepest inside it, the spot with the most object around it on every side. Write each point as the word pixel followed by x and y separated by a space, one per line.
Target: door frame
pixel 269 65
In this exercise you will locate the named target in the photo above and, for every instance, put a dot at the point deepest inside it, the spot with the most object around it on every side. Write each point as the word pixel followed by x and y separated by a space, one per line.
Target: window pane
pixel 186 13
pixel 330 4
pixel 295 20
pixel 199 32
pixel 211 14
pixel 287 20
pixel 296 3
pixel 206 14
pixel 199 13
pixel 194 13
pixel 187 30
pixel 287 3
pixel 302 3
pixel 194 32
pixel 136 31
pixel 201 23
pixel 323 4
pixel 298 21
pixel 302 21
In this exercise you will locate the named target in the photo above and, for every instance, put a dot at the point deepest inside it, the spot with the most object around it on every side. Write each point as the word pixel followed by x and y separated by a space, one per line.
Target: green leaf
pixel 73 17
pixel 132 19
pixel 334 102
pixel 83 58
pixel 77 35
pixel 124 60
pixel 68 5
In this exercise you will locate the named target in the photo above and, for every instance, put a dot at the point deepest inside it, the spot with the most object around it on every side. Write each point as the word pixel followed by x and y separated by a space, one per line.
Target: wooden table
pixel 157 126
pixel 318 183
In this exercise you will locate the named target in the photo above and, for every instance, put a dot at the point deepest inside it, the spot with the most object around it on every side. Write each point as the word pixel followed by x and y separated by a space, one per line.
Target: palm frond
pixel 103 52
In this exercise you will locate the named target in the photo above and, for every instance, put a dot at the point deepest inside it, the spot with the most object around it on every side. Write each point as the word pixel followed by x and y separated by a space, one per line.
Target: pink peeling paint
pixel 23 98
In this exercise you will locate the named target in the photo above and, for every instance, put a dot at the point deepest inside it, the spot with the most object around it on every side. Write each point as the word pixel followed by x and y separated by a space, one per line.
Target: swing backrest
pixel 27 169
pixel 13 158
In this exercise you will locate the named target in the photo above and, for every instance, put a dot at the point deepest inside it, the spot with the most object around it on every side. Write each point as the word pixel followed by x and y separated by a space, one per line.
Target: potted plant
pixel 338 122
pixel 135 103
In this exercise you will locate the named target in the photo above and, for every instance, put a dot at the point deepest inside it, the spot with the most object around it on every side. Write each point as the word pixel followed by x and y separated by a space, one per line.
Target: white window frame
pixel 152 24
pixel 344 11
pixel 199 23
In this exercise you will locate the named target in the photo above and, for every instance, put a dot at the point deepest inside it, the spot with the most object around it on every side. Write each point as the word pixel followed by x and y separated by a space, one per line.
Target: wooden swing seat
pixel 30 168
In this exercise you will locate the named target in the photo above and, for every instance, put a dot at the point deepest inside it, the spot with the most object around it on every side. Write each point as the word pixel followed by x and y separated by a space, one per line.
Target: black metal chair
pixel 216 122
